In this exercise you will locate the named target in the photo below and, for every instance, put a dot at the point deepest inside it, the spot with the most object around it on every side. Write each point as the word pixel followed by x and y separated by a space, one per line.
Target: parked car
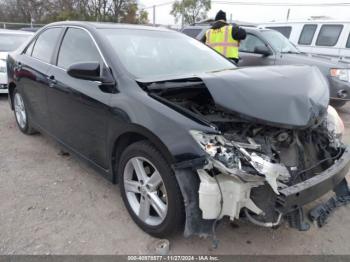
pixel 9 41
pixel 269 47
pixel 189 137
pixel 324 37
pixel 30 29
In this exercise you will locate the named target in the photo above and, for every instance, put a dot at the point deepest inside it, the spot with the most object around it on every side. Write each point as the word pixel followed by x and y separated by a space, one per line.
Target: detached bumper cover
pixel 298 195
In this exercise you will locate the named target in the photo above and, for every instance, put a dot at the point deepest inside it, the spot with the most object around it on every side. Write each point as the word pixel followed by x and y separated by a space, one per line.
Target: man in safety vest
pixel 224 37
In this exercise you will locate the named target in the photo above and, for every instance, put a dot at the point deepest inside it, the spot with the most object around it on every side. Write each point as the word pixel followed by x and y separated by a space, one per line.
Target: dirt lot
pixel 53 204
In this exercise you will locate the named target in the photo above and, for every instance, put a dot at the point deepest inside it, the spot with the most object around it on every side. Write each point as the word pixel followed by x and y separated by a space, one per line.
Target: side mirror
pixel 87 71
pixel 262 50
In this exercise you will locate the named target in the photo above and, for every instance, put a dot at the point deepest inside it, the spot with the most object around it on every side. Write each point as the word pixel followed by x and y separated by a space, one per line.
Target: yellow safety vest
pixel 221 40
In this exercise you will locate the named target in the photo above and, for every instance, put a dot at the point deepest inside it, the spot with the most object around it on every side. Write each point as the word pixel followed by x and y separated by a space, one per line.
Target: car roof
pixel 15 32
pixel 104 25
pixel 247 28
pixel 318 21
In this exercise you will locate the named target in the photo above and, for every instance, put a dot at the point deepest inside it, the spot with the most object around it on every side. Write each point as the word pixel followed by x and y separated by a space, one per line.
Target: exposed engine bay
pixel 249 161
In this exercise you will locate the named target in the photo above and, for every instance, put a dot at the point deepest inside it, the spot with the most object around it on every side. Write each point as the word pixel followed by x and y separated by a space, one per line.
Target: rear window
pixel 192 32
pixel 284 30
pixel 348 42
pixel 329 35
pixel 307 34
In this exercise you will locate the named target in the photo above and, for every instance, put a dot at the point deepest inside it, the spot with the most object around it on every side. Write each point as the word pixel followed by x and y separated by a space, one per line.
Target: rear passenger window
pixel 307 34
pixel 45 44
pixel 284 30
pixel 348 42
pixel 329 35
pixel 77 47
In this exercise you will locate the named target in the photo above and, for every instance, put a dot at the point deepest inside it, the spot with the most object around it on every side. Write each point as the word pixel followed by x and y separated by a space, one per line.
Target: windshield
pixel 148 53
pixel 279 42
pixel 10 42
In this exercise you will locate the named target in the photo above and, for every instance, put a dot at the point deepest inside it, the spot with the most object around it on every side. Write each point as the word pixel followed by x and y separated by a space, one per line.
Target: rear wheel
pixel 150 191
pixel 21 114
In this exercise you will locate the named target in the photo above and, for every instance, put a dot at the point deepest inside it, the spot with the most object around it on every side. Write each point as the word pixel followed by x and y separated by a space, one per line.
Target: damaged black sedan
pixel 189 137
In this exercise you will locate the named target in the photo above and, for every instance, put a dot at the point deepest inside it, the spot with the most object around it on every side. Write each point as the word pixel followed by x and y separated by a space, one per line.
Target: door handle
pixel 52 80
pixel 18 65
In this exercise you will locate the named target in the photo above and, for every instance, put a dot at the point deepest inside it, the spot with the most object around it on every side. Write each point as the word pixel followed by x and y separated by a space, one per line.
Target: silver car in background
pixel 10 40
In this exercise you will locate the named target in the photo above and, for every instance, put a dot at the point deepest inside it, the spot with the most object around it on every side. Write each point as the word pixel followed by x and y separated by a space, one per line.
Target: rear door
pixel 247 54
pixel 79 108
pixel 32 74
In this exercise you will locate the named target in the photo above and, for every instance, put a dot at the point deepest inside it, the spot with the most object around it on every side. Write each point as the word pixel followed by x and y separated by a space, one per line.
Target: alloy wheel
pixel 20 111
pixel 145 191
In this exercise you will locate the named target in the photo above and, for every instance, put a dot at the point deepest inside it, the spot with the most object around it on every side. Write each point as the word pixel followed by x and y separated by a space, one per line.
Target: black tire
pixel 337 103
pixel 27 128
pixel 174 219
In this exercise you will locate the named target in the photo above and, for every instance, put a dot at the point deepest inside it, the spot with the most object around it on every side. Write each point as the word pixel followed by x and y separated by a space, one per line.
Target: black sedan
pixel 189 137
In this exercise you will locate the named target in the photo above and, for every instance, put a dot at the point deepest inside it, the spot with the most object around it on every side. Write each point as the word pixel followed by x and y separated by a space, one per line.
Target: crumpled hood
pixel 289 96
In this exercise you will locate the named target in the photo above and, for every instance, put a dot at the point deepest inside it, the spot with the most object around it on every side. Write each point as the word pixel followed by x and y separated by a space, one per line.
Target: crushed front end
pixel 269 173
pixel 273 149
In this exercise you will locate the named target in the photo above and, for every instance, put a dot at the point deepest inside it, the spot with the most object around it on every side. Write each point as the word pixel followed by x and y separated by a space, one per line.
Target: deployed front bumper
pixel 296 196
pixel 290 202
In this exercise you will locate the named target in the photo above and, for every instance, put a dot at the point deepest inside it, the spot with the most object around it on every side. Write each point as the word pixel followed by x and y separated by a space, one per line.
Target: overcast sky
pixel 258 13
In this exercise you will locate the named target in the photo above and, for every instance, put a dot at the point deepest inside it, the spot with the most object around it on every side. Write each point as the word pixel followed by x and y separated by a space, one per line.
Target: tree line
pixel 118 11
pixel 46 11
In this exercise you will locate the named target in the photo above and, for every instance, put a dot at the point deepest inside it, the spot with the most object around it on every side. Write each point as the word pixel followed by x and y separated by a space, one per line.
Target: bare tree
pixel 190 10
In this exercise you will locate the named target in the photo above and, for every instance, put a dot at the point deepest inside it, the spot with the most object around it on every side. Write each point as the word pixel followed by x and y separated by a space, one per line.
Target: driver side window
pixel 77 47
pixel 250 44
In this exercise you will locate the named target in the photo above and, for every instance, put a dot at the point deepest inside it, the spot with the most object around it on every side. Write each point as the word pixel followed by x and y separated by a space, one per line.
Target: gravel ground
pixel 54 204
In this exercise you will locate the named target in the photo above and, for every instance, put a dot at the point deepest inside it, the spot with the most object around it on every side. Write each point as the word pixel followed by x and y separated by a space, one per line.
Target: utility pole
pixel 154 15
pixel 230 18
pixel 182 15
pixel 288 13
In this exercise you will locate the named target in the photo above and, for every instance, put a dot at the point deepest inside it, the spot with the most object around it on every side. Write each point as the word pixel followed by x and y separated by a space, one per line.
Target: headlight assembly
pixel 232 158
pixel 218 148
pixel 341 74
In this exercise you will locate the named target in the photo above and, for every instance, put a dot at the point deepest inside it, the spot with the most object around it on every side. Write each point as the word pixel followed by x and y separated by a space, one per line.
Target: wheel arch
pixel 132 135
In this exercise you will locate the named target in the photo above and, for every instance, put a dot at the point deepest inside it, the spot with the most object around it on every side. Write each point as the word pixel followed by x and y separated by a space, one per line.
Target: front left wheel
pixel 150 191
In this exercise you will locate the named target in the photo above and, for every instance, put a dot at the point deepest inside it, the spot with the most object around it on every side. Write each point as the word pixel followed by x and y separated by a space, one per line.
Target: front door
pixel 79 108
